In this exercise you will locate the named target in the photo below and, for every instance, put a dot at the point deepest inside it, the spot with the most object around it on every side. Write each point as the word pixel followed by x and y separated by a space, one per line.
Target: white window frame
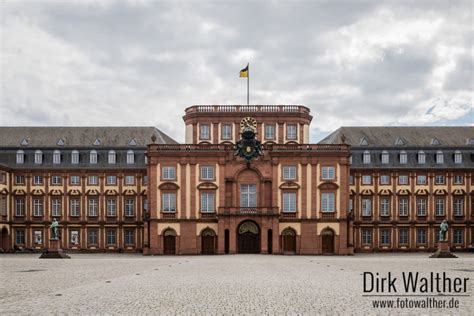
pixel 56 207
pixel 403 237
pixel 168 204
pixel 248 195
pixel 38 157
pixel 439 157
pixel 458 206
pixel 56 157
pixel 38 207
pixel 385 235
pixel 328 202
pixel 421 206
pixel 403 206
pixel 458 236
pixel 383 182
pixel 291 131
pixel 129 180
pixel 112 157
pixel 74 157
pixel 421 236
pixel 385 159
pixel 289 202
pixel 384 206
pixel 56 180
pixel 93 180
pixel 366 236
pixel 366 207
pixel 93 157
pixel 226 131
pixel 19 207
pixel 129 236
pixel 74 207
pixel 205 131
pixel 207 173
pixel 130 157
pixel 405 179
pixel 207 202
pixel 129 207
pixel 421 157
pixel 20 157
pixel 38 180
pixel 111 237
pixel 168 173
pixel 111 207
pixel 419 177
pixel 75 180
pixel 111 180
pixel 93 207
pixel 270 131
pixel 440 207
pixel 366 157
pixel 328 173
pixel 403 157
pixel 364 179
pixel 457 157
pixel 289 172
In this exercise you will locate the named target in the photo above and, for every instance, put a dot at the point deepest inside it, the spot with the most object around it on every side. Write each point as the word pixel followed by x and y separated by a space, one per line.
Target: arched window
pixel 75 157
pixel 56 157
pixel 93 157
pixel 38 157
pixel 20 157
pixel 112 157
pixel 457 157
pixel 130 157
pixel 421 157
pixel 403 157
pixel 366 157
pixel 385 157
pixel 439 157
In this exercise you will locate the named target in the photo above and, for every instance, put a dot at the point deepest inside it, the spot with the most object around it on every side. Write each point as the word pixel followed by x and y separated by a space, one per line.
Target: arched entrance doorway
pixel 4 240
pixel 289 241
pixel 169 242
pixel 208 238
pixel 327 241
pixel 248 237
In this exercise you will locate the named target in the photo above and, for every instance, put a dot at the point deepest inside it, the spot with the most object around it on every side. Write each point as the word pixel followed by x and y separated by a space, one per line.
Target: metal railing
pixel 248 108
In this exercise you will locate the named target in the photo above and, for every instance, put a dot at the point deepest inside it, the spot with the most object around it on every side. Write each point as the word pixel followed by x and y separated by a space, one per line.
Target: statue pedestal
pixel 54 251
pixel 443 251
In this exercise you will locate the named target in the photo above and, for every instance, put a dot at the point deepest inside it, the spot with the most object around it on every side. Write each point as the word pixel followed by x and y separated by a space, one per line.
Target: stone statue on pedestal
pixel 54 230
pixel 443 230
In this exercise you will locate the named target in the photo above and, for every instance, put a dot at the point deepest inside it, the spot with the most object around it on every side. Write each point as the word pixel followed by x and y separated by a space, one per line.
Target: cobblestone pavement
pixel 232 284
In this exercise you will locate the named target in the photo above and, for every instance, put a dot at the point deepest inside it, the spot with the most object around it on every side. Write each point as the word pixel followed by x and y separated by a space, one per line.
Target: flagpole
pixel 248 84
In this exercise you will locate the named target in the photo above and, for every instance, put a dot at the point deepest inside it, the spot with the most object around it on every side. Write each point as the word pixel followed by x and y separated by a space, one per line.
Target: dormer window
pixel 403 157
pixel 24 142
pixel 75 157
pixel 435 142
pixel 457 157
pixel 421 157
pixel 97 142
pixel 112 157
pixel 385 157
pixel 400 142
pixel 366 157
pixel 38 157
pixel 61 142
pixel 20 157
pixel 130 157
pixel 56 157
pixel 132 142
pixel 470 141
pixel 364 142
pixel 439 157
pixel 93 157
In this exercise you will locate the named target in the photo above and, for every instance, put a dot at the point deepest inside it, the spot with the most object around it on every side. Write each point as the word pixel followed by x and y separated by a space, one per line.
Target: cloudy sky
pixel 143 62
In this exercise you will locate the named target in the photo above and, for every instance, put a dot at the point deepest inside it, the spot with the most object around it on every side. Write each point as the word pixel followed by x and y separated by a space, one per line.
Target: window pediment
pixel 55 192
pixel 74 192
pixel 421 192
pixel 328 186
pixel 168 186
pixel 93 192
pixel 19 192
pixel 111 192
pixel 403 192
pixel 385 192
pixel 459 192
pixel 207 186
pixel 129 192
pixel 37 192
pixel 440 192
pixel 289 185
pixel 367 192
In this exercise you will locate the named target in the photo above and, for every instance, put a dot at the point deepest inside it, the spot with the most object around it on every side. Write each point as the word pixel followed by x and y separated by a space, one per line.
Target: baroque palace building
pixel 246 180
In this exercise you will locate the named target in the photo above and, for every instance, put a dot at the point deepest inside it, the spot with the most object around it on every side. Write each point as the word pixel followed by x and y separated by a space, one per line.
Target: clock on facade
pixel 248 122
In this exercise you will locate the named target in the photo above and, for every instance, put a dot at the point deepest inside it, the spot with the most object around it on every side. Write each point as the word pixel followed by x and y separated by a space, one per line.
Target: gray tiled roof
pixel 80 137
pixel 411 136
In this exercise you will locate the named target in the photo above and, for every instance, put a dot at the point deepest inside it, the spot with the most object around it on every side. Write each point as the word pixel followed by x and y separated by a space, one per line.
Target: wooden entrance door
pixel 248 238
pixel 169 242
pixel 289 241
pixel 328 241
pixel 208 238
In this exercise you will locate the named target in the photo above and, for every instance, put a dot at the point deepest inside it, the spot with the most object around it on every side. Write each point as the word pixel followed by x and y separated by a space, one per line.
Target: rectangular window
pixel 366 236
pixel 458 206
pixel 384 207
pixel 3 205
pixel 403 236
pixel 439 179
pixel 421 206
pixel 207 202
pixel 111 207
pixel 56 207
pixel 74 209
pixel 366 179
pixel 385 158
pixel 289 172
pixel 111 237
pixel 403 179
pixel 129 207
pixel 458 158
pixel 19 207
pixel 403 207
pixel 93 180
pixel 421 236
pixel 421 179
pixel 168 173
pixel 226 131
pixel 269 131
pixel 74 237
pixel 38 237
pixel 351 179
pixel 366 207
pixel 92 237
pixel 366 158
pixel 384 179
pixel 37 207
pixel 129 237
pixel 248 195
pixel 439 207
pixel 3 178
pixel 93 207
pixel 403 159
pixel 19 236
pixel 129 180
pixel 111 180
pixel 289 202
pixel 328 173
pixel 204 131
pixel 385 236
pixel 56 180
pixel 38 180
pixel 421 158
pixel 207 173
pixel 291 132
pixel 75 180
pixel 169 202
pixel 458 179
pixel 458 236
pixel 145 180
pixel 20 180
pixel 328 202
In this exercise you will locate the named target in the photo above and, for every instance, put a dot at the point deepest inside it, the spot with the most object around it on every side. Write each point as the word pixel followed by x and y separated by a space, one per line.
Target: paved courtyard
pixel 232 284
